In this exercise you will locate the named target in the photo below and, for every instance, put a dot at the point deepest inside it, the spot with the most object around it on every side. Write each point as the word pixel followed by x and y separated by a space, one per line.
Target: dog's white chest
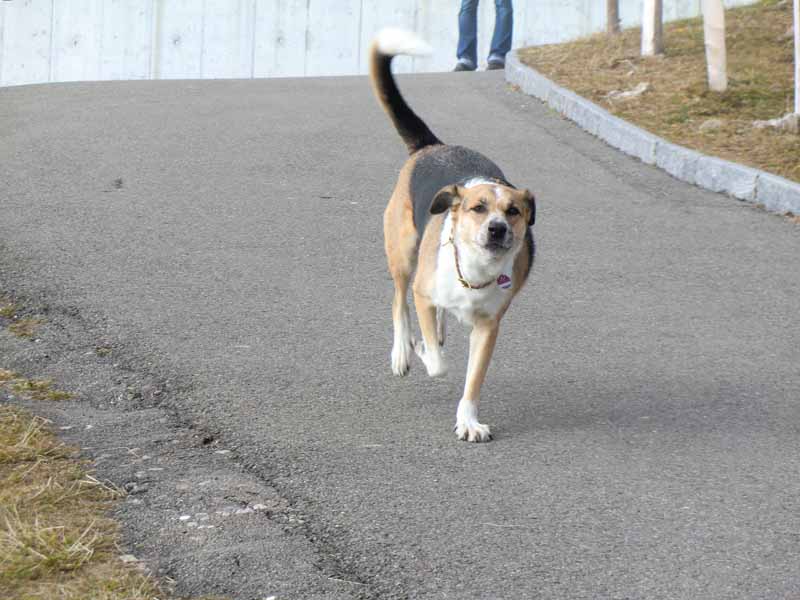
pixel 465 303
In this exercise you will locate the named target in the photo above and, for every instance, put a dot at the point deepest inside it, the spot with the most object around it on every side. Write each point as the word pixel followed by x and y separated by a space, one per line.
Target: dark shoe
pixel 463 66
pixel 495 65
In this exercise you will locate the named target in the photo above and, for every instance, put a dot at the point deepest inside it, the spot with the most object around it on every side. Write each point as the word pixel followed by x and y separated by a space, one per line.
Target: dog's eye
pixel 513 211
pixel 479 208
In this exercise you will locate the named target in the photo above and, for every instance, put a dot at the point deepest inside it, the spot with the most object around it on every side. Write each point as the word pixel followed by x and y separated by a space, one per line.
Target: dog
pixel 460 228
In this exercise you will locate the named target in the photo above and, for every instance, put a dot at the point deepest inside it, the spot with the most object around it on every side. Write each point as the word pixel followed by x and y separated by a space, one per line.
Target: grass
pixel 678 101
pixel 32 389
pixel 56 539
pixel 7 309
pixel 25 328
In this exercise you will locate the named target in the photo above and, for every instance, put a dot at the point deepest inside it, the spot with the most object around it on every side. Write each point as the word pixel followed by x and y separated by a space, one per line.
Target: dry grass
pixel 52 513
pixel 25 328
pixel 32 389
pixel 7 309
pixel 39 389
pixel 56 540
pixel 760 74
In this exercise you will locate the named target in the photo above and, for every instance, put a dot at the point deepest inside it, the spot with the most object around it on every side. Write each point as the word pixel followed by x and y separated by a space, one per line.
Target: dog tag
pixel 504 281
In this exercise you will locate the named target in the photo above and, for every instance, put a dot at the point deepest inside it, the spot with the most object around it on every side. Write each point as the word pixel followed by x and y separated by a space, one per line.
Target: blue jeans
pixel 468 31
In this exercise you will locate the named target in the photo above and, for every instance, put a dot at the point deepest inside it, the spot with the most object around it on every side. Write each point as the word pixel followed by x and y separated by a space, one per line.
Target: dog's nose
pixel 497 231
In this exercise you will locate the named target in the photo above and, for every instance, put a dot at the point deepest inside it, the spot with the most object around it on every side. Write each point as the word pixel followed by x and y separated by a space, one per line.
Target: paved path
pixel 644 393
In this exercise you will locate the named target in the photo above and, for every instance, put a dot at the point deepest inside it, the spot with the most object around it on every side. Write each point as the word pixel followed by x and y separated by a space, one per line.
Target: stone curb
pixel 752 185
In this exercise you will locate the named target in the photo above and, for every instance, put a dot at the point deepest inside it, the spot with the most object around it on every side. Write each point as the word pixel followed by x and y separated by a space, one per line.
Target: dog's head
pixel 491 217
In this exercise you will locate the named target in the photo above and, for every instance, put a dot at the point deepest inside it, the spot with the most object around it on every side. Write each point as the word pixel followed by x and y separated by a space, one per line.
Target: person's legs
pixel 503 29
pixel 467 51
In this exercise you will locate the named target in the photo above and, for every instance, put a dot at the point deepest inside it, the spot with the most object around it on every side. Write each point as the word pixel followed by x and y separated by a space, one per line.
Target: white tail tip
pixel 392 41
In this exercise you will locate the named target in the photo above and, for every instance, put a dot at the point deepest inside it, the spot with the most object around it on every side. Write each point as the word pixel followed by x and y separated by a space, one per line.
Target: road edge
pixel 188 486
pixel 775 193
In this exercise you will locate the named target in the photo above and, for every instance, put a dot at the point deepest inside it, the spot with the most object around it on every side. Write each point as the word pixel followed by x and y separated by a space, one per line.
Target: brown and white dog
pixel 455 219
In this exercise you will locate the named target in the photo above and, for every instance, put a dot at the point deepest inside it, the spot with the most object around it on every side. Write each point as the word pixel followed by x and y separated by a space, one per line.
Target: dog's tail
pixel 386 45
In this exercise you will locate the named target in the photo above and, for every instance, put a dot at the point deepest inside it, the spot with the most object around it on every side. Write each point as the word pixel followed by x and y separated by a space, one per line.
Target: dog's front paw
pixel 472 431
pixel 467 427
pixel 401 353
pixel 434 362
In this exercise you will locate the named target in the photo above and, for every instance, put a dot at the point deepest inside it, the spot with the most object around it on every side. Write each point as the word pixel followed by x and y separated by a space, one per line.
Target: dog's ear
pixel 531 207
pixel 445 198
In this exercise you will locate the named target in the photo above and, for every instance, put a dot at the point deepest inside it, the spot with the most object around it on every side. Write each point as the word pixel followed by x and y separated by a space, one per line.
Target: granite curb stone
pixel 678 161
pixel 720 175
pixel 745 183
pixel 777 194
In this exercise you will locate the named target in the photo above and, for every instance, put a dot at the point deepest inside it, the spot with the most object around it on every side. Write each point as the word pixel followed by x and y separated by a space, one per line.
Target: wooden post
pixel 714 35
pixel 652 30
pixel 797 56
pixel 612 16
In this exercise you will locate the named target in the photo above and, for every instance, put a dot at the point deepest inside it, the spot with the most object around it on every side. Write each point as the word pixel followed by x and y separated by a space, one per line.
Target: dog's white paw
pixel 434 361
pixel 401 353
pixel 467 427
pixel 472 431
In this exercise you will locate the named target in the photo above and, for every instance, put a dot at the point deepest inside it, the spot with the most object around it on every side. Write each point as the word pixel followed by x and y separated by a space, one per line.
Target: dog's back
pixel 444 165
pixel 437 164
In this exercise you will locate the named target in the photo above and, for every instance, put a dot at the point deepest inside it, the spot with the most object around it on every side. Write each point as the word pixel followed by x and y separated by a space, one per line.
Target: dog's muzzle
pixel 498 236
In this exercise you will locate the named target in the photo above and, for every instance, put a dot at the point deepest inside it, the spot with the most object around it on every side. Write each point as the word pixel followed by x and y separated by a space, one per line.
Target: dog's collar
pixel 461 279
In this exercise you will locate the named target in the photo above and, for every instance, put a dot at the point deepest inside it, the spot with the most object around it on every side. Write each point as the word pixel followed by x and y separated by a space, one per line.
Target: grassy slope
pixel 760 74
pixel 55 538
pixel 57 541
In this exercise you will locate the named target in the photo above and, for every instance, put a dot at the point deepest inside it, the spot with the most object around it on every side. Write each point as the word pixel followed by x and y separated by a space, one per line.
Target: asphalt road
pixel 227 235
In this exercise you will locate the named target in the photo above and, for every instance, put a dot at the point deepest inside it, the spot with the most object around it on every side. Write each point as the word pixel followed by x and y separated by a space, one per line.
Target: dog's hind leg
pixel 440 325
pixel 430 352
pixel 401 251
pixel 403 342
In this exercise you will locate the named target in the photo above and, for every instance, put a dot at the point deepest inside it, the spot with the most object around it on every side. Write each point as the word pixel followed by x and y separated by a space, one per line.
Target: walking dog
pixel 455 219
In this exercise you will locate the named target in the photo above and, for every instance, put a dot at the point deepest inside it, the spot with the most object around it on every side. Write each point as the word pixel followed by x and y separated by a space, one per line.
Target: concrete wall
pixel 78 40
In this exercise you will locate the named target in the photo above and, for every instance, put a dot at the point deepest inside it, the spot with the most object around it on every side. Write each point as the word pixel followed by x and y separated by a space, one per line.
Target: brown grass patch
pixel 56 540
pixel 32 389
pixel 39 389
pixel 760 84
pixel 25 328
pixel 7 309
pixel 21 326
